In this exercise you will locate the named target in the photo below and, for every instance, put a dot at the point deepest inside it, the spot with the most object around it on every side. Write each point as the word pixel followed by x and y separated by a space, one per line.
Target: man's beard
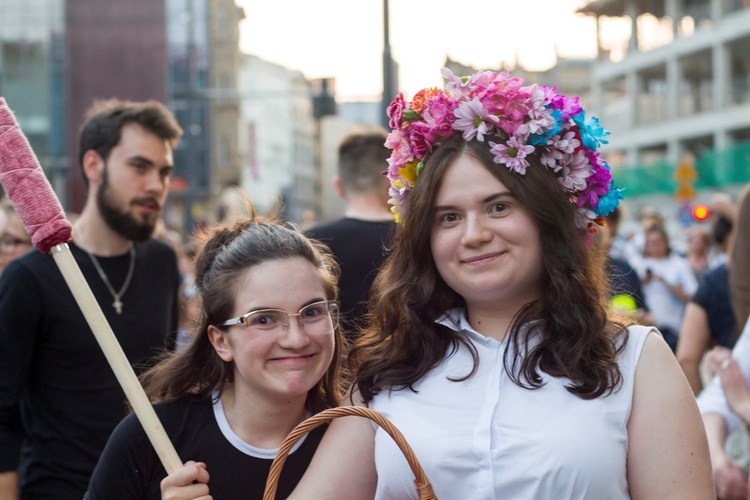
pixel 122 222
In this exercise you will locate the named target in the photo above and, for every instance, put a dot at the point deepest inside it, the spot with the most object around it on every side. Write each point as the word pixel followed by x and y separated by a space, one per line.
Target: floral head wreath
pixel 524 120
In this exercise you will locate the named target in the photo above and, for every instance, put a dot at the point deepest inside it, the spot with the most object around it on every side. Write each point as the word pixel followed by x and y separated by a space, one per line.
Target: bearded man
pixel 59 399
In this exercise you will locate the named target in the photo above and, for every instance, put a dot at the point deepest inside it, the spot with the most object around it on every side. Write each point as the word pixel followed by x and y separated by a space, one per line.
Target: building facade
pixel 277 138
pixel 686 99
pixel 58 56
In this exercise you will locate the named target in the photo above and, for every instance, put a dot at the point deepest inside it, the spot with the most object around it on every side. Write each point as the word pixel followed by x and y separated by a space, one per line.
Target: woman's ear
pixel 221 345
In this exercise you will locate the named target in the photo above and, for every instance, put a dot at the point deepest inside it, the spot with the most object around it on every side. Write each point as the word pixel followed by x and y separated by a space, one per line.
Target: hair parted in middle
pixel 224 252
pixel 401 342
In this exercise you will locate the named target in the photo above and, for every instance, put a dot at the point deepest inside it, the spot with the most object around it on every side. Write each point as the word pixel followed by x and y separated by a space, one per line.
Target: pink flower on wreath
pixel 472 120
pixel 575 170
pixel 424 138
pixel 402 153
pixel 567 143
pixel 456 86
pixel 512 154
pixel 540 117
pixel 396 111
pixel 439 113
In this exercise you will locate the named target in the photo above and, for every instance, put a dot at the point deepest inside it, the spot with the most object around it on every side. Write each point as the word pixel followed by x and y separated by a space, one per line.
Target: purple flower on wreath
pixel 568 106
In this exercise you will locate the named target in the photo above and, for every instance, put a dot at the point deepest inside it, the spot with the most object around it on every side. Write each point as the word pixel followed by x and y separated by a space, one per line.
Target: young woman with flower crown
pixel 265 355
pixel 488 343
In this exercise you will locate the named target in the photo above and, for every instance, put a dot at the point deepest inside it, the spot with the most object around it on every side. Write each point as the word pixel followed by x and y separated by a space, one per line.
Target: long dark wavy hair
pixel 401 341
pixel 196 371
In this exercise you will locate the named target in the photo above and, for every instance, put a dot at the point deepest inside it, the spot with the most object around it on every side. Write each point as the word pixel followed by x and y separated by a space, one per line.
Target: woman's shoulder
pixel 634 338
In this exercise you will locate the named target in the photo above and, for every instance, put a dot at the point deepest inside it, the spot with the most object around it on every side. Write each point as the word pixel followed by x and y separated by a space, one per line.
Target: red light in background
pixel 700 212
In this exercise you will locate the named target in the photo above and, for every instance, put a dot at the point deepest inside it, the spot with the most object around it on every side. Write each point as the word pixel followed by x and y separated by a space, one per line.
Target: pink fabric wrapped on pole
pixel 28 188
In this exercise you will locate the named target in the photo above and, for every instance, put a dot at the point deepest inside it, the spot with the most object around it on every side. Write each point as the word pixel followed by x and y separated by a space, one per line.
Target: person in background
pixel 59 398
pixel 636 244
pixel 359 239
pixel 264 356
pixel 708 321
pixel 489 344
pixel 699 251
pixel 623 284
pixel 187 314
pixel 739 277
pixel 14 239
pixel 668 283
pixel 723 216
pixel 725 406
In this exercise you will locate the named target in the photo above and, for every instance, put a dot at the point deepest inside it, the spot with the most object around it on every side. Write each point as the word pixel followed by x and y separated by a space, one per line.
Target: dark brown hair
pixel 401 342
pixel 362 158
pixel 102 126
pixel 196 370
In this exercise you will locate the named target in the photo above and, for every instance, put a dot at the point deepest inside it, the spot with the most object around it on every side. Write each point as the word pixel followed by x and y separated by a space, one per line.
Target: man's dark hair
pixel 103 123
pixel 721 230
pixel 362 159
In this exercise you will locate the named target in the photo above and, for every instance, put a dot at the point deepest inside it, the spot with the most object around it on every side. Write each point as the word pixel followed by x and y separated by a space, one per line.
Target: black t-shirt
pixel 129 468
pixel 360 248
pixel 713 297
pixel 59 398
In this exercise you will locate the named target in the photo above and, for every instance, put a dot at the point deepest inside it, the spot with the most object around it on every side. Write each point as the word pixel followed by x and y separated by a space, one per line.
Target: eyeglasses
pixel 317 318
pixel 8 241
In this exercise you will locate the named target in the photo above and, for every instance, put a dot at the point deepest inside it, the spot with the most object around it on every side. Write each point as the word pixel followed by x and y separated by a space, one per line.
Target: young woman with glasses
pixel 265 355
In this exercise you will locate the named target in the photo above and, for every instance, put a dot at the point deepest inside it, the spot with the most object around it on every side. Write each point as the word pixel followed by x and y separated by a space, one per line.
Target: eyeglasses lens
pixel 317 319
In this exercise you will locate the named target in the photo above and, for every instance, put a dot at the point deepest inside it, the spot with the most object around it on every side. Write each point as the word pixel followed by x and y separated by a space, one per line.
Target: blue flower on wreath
pixel 592 134
pixel 608 202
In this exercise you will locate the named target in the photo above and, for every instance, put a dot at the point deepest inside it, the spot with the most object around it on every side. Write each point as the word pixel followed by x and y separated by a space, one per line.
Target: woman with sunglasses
pixel 265 356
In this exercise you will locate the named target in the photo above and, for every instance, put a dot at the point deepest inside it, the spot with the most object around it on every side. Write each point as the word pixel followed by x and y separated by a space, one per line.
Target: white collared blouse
pixel 486 437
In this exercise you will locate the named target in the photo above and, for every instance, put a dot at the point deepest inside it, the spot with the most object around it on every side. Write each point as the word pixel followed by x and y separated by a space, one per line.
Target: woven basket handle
pixel 424 488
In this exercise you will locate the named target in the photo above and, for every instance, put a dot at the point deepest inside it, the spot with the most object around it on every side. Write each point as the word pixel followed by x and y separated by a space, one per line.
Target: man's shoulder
pixel 347 226
pixel 33 262
pixel 157 251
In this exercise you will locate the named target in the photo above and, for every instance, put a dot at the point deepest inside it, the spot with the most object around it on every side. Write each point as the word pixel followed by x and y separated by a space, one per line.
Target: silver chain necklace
pixel 117 304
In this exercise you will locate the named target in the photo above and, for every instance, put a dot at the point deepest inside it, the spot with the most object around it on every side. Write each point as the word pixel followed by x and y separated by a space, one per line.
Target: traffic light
pixel 700 212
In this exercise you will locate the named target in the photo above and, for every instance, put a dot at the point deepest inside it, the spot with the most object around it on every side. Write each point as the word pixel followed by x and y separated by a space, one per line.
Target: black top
pixel 623 280
pixel 360 247
pixel 130 469
pixel 59 398
pixel 713 297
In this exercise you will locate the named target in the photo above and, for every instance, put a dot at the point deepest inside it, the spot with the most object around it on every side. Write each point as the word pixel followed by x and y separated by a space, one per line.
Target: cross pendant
pixel 118 306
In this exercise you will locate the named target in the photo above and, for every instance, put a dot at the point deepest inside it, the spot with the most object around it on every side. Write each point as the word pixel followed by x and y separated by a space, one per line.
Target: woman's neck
pixel 261 423
pixel 490 323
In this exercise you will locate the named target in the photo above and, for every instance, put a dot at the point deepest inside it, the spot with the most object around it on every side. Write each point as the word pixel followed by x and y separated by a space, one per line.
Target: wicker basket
pixel 424 488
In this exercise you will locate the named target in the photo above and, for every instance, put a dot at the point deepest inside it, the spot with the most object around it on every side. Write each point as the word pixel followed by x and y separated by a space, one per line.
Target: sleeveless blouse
pixel 486 437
